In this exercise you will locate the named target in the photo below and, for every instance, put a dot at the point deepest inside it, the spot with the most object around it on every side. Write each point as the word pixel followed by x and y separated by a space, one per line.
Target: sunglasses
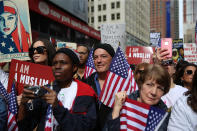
pixel 39 49
pixel 189 72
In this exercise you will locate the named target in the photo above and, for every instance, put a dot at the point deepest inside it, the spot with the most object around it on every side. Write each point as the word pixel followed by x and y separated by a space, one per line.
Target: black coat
pixel 81 117
pixel 102 110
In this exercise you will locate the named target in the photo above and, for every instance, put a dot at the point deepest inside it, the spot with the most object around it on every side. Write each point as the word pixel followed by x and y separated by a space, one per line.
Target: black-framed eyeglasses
pixel 189 72
pixel 39 49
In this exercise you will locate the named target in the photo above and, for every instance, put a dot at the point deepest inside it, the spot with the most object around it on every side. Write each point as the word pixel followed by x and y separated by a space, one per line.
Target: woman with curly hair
pixel 184 112
pixel 185 75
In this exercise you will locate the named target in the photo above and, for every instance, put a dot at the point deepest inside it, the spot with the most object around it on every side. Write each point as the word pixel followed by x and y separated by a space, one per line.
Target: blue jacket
pixel 81 117
pixel 3 114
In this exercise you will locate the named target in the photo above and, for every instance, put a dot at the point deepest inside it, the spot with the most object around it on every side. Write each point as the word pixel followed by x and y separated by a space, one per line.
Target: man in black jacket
pixel 102 54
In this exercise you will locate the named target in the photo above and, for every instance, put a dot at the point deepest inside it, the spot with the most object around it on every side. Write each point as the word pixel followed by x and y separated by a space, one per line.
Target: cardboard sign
pixel 113 34
pixel 139 54
pixel 26 73
pixel 190 52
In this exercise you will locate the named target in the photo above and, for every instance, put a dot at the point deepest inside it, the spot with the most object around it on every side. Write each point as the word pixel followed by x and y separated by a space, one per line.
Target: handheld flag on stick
pixel 12 110
pixel 90 68
pixel 139 116
pixel 119 78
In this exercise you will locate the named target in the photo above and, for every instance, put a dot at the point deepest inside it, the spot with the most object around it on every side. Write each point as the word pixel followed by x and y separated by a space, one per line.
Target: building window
pixel 92 0
pixel 118 4
pixel 112 5
pixel 112 17
pixel 99 27
pixel 104 17
pixel 118 16
pixel 99 18
pixel 104 6
pixel 92 9
pixel 99 7
pixel 92 19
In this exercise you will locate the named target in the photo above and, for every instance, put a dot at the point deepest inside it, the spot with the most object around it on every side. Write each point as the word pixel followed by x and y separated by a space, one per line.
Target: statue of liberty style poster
pixel 15 31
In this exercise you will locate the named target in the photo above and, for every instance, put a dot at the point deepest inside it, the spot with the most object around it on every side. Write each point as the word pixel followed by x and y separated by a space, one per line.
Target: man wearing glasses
pixel 83 51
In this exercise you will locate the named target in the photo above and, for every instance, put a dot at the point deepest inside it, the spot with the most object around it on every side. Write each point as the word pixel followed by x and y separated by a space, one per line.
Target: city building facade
pixel 135 14
pixel 164 18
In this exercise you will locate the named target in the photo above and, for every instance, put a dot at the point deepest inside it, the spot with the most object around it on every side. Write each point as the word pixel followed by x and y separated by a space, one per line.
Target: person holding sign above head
pixel 153 84
pixel 13 36
pixel 69 104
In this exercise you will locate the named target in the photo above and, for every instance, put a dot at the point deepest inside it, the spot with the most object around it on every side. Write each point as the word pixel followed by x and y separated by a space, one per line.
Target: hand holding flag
pixel 139 116
pixel 119 78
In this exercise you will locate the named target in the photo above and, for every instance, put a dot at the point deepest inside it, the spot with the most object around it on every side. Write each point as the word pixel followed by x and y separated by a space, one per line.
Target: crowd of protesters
pixel 74 100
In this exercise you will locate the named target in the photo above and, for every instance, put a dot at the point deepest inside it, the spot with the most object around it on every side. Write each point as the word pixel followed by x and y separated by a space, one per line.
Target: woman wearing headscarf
pixel 13 36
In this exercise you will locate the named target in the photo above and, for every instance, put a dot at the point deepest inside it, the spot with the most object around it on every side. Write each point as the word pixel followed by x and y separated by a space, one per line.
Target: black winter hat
pixel 74 56
pixel 106 47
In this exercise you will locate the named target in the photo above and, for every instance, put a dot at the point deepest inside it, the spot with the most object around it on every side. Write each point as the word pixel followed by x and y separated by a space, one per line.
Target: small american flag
pixel 3 92
pixel 119 78
pixel 49 116
pixel 12 110
pixel 90 68
pixel 196 33
pixel 139 116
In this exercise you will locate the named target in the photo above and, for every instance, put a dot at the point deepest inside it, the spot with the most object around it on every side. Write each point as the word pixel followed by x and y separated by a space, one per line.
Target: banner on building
pixel 113 34
pixel 139 54
pixel 15 33
pixel 190 52
pixel 26 73
pixel 155 39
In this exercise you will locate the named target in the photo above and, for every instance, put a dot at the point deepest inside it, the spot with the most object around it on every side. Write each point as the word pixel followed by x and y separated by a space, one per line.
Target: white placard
pixel 190 52
pixel 113 34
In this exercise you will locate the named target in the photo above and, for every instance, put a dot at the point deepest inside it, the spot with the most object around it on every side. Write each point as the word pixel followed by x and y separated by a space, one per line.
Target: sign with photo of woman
pixel 15 31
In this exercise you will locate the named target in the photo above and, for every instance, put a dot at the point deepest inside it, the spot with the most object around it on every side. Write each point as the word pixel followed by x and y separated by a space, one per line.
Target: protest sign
pixel 15 34
pixel 190 52
pixel 66 45
pixel 139 54
pixel 26 73
pixel 155 39
pixel 177 51
pixel 113 34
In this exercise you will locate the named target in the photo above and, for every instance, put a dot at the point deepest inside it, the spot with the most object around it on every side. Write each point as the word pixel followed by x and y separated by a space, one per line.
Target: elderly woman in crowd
pixel 152 86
